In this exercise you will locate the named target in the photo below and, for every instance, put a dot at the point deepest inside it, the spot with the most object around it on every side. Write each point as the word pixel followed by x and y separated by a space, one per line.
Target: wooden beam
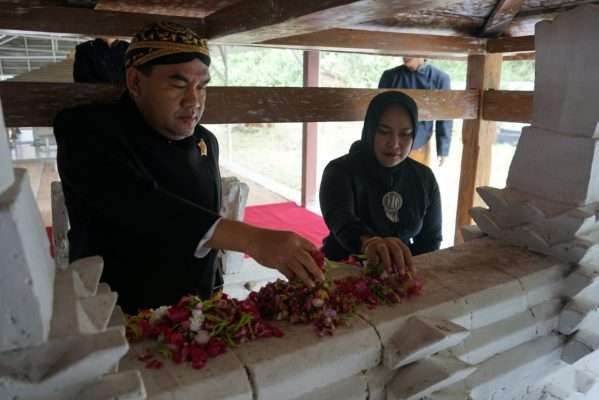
pixel 507 106
pixel 180 8
pixel 36 103
pixel 255 21
pixel 310 134
pixel 531 55
pixel 424 22
pixel 382 43
pixel 478 136
pixel 82 21
pixel 511 44
pixel 501 17
pixel 524 25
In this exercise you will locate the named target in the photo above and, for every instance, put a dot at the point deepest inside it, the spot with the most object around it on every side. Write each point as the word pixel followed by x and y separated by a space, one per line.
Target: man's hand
pixel 390 251
pixel 287 252
pixel 441 160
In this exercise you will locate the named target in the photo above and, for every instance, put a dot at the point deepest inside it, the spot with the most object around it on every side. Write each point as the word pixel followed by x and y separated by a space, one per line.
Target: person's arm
pixel 443 128
pixel 285 251
pixel 104 173
pixel 430 236
pixel 339 211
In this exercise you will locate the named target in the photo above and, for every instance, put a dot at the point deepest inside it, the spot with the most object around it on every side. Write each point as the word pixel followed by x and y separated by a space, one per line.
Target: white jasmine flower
pixel 196 320
pixel 158 313
pixel 202 337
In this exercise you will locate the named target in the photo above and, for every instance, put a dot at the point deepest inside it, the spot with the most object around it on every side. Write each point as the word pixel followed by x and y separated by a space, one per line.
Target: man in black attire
pixel 100 61
pixel 375 200
pixel 142 183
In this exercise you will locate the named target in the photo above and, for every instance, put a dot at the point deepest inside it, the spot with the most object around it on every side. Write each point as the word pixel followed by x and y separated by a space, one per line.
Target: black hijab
pixel 365 146
pixel 376 108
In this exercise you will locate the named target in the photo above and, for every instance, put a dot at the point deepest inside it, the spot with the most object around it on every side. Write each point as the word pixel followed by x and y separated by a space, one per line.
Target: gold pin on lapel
pixel 203 148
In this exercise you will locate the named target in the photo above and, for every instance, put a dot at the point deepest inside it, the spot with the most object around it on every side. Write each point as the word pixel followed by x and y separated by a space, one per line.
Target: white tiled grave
pixel 491 318
pixel 476 314
pixel 537 170
pixel 566 67
pixel 223 377
pixel 27 272
pixel 6 173
pixel 550 206
pixel 55 339
pixel 301 362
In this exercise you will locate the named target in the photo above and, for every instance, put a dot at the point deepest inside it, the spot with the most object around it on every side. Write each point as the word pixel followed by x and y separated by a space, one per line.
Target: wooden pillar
pixel 478 136
pixel 310 133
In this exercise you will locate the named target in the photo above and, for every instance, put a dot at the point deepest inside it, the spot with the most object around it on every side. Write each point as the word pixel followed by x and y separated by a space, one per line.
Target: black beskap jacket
pixel 140 201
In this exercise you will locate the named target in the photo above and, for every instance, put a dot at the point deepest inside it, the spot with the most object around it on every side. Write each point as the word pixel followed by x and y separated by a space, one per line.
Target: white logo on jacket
pixel 392 202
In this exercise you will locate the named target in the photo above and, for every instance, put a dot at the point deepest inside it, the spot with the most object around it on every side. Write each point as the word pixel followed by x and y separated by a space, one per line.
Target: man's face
pixel 413 63
pixel 172 97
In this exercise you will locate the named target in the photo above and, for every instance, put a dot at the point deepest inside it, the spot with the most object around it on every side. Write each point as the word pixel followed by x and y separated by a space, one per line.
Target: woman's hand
pixel 389 251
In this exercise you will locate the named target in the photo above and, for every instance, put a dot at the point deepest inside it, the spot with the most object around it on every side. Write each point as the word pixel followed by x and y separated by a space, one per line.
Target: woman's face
pixel 393 137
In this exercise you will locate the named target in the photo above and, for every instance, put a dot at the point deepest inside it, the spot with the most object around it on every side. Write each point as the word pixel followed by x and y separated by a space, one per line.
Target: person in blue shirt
pixel 416 73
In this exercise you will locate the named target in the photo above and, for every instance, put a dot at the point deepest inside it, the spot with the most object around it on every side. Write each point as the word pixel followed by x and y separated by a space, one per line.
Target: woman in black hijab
pixel 377 201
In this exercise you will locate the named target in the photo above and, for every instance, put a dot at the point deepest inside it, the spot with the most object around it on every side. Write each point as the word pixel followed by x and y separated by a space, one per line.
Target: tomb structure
pixel 513 313
pixel 61 334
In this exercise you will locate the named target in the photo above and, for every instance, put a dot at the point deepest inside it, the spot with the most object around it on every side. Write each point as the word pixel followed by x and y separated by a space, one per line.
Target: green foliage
pixel 353 70
pixel 257 66
pixel 518 71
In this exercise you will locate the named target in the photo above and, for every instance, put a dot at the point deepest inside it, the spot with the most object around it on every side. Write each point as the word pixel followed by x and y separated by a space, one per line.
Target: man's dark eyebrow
pixel 178 77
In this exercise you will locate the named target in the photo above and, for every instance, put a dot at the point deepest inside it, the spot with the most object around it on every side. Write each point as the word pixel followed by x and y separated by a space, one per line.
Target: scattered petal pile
pixel 333 302
pixel 195 330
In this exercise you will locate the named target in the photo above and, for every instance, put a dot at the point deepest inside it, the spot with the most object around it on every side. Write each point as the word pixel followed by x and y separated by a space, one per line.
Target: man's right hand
pixel 287 252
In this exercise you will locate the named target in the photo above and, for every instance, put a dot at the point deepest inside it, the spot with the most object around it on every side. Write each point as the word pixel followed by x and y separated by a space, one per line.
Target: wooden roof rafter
pixel 255 21
pixel 511 44
pixel 382 43
pixel 48 17
pixel 501 17
pixel 179 8
pixel 424 22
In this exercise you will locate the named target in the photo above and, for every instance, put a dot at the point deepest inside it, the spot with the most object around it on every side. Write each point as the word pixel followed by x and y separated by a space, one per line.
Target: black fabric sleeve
pixel 443 128
pixel 430 236
pixel 83 66
pixel 338 208
pixel 102 172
